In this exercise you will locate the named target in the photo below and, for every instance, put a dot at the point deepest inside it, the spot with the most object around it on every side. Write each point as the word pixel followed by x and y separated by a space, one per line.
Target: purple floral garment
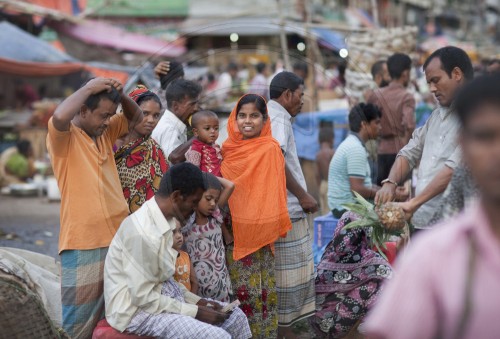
pixel 348 281
pixel 205 246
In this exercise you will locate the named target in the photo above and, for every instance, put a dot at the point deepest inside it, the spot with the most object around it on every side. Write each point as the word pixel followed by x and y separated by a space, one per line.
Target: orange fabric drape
pixel 258 204
pixel 107 73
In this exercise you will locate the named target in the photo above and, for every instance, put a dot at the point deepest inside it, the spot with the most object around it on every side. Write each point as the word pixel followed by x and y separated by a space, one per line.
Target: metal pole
pixel 283 40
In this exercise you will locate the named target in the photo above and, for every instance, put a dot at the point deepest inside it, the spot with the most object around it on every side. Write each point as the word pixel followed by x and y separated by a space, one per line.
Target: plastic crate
pixel 324 227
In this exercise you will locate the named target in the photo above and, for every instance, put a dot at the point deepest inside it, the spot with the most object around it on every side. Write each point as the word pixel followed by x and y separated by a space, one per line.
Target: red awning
pixel 38 69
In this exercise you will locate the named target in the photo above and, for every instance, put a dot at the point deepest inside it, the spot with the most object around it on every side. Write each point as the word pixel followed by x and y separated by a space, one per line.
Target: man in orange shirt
pixel 81 136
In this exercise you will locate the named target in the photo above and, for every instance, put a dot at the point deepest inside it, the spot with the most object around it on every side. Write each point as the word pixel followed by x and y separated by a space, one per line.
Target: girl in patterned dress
pixel 204 235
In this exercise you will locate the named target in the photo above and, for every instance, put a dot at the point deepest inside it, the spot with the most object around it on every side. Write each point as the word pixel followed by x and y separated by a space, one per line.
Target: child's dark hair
pixel 260 103
pixel 202 114
pixel 211 181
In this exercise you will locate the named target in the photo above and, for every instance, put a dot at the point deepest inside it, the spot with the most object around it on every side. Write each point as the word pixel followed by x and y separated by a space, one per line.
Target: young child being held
pixel 204 152
pixel 184 273
pixel 205 234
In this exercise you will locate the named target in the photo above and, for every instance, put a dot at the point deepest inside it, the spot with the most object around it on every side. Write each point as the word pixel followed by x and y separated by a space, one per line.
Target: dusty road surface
pixel 30 223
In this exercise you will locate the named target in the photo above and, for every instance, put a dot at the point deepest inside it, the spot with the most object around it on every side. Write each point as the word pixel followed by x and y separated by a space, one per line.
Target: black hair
pixel 260 103
pixel 301 66
pixel 260 67
pixel 363 112
pixel 195 118
pixel 93 100
pixel 23 146
pixel 184 177
pixel 176 71
pixel 481 90
pixel 377 68
pixel 283 81
pixel 148 96
pixel 179 89
pixel 451 57
pixel 211 181
pixel 397 64
pixel 325 134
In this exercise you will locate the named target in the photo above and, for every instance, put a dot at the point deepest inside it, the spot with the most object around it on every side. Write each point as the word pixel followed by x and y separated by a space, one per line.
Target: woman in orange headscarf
pixel 254 162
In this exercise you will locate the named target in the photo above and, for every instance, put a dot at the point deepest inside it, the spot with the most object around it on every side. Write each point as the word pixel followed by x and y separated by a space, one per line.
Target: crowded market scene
pixel 267 169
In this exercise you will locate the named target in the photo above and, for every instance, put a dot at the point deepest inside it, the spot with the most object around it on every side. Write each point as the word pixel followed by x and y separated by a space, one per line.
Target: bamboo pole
pixel 283 40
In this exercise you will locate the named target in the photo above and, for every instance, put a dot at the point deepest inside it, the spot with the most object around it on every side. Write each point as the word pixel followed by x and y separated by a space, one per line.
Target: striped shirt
pixel 350 160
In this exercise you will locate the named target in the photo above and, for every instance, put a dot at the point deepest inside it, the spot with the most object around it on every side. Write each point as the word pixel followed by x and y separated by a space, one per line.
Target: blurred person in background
pixel 323 159
pixel 259 84
pixel 398 113
pixel 167 71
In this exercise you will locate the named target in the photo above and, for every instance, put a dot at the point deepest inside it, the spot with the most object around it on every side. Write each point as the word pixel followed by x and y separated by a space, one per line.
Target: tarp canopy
pixel 259 26
pixel 306 130
pixel 26 55
pixel 22 46
pixel 102 34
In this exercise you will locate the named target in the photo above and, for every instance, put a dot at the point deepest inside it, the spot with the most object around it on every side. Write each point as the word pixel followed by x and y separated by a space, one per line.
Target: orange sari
pixel 258 204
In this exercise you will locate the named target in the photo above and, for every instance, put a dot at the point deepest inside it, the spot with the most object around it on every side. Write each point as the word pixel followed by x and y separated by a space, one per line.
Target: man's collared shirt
pixel 170 132
pixel 139 260
pixel 281 127
pixel 435 145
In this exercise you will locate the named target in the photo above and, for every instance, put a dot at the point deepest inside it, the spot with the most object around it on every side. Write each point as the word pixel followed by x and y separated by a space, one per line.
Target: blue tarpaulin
pixel 21 46
pixel 306 130
pixel 330 39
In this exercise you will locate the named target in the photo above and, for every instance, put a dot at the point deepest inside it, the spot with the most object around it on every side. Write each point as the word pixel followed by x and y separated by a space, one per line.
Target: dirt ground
pixel 30 223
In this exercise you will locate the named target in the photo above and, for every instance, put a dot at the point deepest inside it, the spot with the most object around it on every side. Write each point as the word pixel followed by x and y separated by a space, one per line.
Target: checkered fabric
pixel 82 285
pixel 176 326
pixel 295 274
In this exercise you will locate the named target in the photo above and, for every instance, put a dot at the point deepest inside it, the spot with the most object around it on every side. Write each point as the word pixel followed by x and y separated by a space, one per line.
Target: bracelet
pixel 389 181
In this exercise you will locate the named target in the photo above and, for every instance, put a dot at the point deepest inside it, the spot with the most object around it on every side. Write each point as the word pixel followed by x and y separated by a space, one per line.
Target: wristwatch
pixel 390 181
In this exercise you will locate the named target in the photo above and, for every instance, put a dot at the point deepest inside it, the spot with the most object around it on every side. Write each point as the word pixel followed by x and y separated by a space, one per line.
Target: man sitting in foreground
pixel 139 290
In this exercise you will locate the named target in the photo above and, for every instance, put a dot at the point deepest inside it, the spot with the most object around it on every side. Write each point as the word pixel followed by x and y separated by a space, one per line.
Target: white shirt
pixel 435 145
pixel 140 258
pixel 170 132
pixel 281 128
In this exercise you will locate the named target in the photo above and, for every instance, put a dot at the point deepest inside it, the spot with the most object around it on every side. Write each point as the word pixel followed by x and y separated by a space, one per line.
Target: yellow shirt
pixel 92 201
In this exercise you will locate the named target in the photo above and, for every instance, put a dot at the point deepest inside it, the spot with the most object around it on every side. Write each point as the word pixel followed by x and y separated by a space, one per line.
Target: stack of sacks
pixel 367 48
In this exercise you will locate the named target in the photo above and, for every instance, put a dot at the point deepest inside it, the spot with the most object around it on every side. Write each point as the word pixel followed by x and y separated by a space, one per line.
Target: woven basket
pixel 22 314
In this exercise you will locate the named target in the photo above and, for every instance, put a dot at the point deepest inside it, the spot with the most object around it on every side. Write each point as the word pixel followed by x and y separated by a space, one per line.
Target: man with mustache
pixel 80 143
pixel 433 146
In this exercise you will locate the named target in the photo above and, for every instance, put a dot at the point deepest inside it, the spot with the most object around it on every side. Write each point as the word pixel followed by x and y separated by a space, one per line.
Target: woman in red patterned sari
pixel 140 161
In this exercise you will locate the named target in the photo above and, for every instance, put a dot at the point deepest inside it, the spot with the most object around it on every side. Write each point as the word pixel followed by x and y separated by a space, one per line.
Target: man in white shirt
pixel 139 290
pixel 434 146
pixel 182 101
pixel 293 255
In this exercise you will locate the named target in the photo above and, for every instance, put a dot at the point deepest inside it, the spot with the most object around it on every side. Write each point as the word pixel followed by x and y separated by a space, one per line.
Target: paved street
pixel 29 223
